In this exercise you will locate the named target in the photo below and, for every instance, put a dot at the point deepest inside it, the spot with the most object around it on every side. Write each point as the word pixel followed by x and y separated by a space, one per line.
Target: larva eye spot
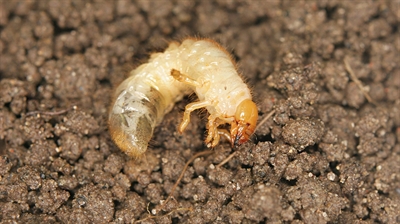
pixel 245 122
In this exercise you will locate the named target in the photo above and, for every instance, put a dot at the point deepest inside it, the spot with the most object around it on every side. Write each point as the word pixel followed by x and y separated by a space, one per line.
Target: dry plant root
pixel 358 82
pixel 50 113
pixel 203 153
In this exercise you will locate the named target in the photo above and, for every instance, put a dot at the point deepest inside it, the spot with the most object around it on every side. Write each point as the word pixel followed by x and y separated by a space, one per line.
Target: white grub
pixel 201 66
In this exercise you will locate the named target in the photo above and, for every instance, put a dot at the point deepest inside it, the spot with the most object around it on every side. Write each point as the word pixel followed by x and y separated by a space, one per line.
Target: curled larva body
pixel 200 66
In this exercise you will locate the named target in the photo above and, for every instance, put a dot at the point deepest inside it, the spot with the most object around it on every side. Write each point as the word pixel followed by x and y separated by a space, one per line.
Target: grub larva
pixel 201 66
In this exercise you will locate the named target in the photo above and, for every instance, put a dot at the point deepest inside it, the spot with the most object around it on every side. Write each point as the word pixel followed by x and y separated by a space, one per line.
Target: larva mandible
pixel 197 65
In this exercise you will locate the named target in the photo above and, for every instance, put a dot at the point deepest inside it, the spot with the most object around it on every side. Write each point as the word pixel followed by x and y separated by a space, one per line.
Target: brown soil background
pixel 327 155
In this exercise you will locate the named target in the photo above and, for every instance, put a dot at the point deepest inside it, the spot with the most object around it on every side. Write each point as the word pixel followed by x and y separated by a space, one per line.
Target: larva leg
pixel 184 78
pixel 225 133
pixel 188 109
pixel 214 132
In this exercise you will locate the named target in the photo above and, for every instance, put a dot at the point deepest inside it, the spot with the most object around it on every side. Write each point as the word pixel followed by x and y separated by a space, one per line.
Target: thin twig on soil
pixel 357 81
pixel 265 119
pixel 226 159
pixel 203 153
pixel 50 113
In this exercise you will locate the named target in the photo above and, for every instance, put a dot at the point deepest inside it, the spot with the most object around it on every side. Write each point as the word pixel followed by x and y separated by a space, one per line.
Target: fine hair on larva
pixel 201 66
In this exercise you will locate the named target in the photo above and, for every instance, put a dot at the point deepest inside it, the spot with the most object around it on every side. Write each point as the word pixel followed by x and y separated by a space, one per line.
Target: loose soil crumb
pixel 330 153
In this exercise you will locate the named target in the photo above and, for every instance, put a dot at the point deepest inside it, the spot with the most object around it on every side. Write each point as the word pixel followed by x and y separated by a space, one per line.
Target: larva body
pixel 200 66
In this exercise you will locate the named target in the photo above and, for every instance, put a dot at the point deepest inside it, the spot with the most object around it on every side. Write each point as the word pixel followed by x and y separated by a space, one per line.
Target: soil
pixel 330 153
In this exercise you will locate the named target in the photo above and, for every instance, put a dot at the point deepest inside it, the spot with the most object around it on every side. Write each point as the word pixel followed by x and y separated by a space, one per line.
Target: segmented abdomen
pixel 150 92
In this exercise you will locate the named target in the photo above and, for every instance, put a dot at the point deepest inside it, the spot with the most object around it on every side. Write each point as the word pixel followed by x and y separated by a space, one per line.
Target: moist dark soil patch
pixel 329 154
